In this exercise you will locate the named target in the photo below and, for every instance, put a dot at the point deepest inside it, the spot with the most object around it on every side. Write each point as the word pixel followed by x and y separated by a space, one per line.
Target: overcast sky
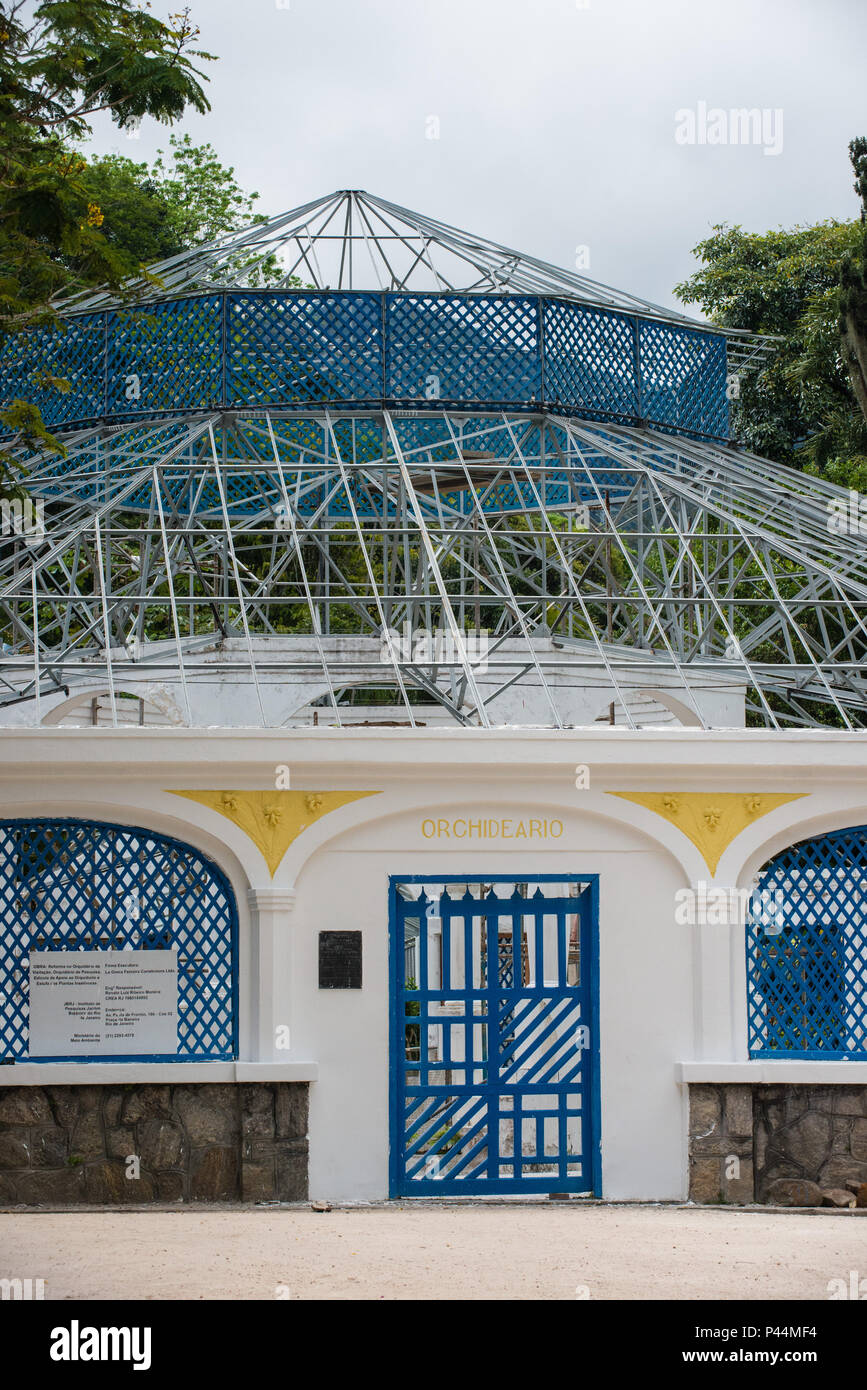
pixel 557 119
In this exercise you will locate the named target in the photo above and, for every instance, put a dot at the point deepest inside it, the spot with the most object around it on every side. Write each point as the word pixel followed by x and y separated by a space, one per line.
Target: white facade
pixel 672 997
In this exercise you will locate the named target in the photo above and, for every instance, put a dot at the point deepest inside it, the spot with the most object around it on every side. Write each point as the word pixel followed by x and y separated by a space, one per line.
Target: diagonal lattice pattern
pixel 807 950
pixel 245 351
pixel 470 349
pixel 682 379
pixel 491 1037
pixel 164 357
pixel 590 358
pixel 586 552
pixel 321 347
pixel 68 885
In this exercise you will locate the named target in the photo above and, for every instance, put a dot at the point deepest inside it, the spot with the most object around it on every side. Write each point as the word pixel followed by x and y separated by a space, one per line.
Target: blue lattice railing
pixel 252 349
pixel 807 951
pixel 71 885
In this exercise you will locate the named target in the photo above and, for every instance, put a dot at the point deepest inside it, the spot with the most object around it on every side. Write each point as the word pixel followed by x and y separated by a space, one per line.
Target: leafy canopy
pixel 800 408
pixel 61 62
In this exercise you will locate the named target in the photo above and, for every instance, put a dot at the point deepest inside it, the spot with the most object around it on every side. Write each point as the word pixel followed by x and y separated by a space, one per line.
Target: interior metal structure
pixel 353 466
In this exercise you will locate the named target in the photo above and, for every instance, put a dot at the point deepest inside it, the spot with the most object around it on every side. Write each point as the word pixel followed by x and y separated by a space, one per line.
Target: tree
pixel 185 198
pixel 853 288
pixel 799 407
pixel 61 62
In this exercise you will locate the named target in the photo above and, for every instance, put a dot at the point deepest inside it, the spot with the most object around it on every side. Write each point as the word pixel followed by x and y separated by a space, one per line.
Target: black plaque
pixel 340 960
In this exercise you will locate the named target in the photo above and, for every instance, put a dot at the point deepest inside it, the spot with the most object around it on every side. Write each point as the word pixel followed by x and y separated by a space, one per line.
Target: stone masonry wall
pixel 196 1143
pixel 817 1133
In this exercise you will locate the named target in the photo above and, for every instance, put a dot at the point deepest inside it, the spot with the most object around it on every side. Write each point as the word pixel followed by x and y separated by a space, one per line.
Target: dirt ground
pixel 434 1252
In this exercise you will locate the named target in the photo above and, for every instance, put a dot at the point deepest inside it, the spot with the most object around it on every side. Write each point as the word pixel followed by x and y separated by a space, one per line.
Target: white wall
pixel 670 996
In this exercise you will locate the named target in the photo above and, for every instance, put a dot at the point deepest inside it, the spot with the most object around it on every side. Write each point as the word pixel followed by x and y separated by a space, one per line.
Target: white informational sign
pixel 103 1003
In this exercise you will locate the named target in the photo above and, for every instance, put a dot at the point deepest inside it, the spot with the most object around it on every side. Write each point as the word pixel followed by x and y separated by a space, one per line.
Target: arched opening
pixel 806 948
pixel 78 885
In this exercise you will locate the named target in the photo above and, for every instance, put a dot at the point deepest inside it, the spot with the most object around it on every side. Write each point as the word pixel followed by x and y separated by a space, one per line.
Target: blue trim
pixel 90 831
pixel 255 349
pixel 591 1113
pixel 807 977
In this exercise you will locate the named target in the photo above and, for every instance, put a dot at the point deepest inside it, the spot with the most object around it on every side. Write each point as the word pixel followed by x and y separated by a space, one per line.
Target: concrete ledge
pixel 157 1073
pixel 806 1073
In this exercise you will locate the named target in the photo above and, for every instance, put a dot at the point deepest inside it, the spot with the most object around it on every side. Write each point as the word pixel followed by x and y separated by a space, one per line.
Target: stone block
pixel 840 1170
pixel 106 1184
pixel 111 1107
pixel 705 1114
pixel 738 1119
pixel 120 1142
pixel 861 1195
pixel 209 1114
pixel 837 1197
pixel 8 1194
pixel 740 1188
pixel 291 1185
pixel 50 1187
pixel 291 1106
pixel 258 1180
pixel 48 1147
pixel 257 1110
pixel 15 1145
pixel 214 1176
pixel 705 1180
pixel 65 1102
pixel 841 1129
pixel 170 1187
pixel 88 1136
pixel 794 1192
pixel 143 1102
pixel 849 1100
pixel 858 1139
pixel 24 1105
pixel 807 1140
pixel 161 1144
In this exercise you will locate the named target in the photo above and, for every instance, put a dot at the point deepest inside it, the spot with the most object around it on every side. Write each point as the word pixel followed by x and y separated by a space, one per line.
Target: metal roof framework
pixel 353 240
pixel 609 553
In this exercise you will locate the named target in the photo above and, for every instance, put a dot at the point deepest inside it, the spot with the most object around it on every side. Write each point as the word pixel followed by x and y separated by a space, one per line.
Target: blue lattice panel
pixel 453 348
pixel 304 347
pixel 683 378
pixel 492 1037
pixel 590 361
pixel 72 351
pixel 807 950
pixel 165 357
pixel 71 885
pixel 253 350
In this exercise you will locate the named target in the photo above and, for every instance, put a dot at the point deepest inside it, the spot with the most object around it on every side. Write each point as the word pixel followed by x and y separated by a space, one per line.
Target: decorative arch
pixel 86 885
pixel 806 947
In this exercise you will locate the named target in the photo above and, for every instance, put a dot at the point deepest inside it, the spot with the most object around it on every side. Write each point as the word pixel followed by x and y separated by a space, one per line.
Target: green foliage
pixel 180 201
pixel 24 419
pixel 853 289
pixel 61 62
pixel 800 408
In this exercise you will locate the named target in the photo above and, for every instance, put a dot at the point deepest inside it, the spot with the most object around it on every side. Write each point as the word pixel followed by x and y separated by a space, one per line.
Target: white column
pixel 270 913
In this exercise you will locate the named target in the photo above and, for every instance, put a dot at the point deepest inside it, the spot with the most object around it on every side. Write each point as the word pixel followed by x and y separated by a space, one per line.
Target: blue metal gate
pixel 76 885
pixel 494 1047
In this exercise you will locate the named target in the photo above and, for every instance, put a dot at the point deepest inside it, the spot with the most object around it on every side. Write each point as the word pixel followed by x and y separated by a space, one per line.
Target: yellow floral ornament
pixel 273 819
pixel 711 820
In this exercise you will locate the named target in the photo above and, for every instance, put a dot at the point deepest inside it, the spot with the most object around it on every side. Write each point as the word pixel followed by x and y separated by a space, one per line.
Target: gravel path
pixel 393 1251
